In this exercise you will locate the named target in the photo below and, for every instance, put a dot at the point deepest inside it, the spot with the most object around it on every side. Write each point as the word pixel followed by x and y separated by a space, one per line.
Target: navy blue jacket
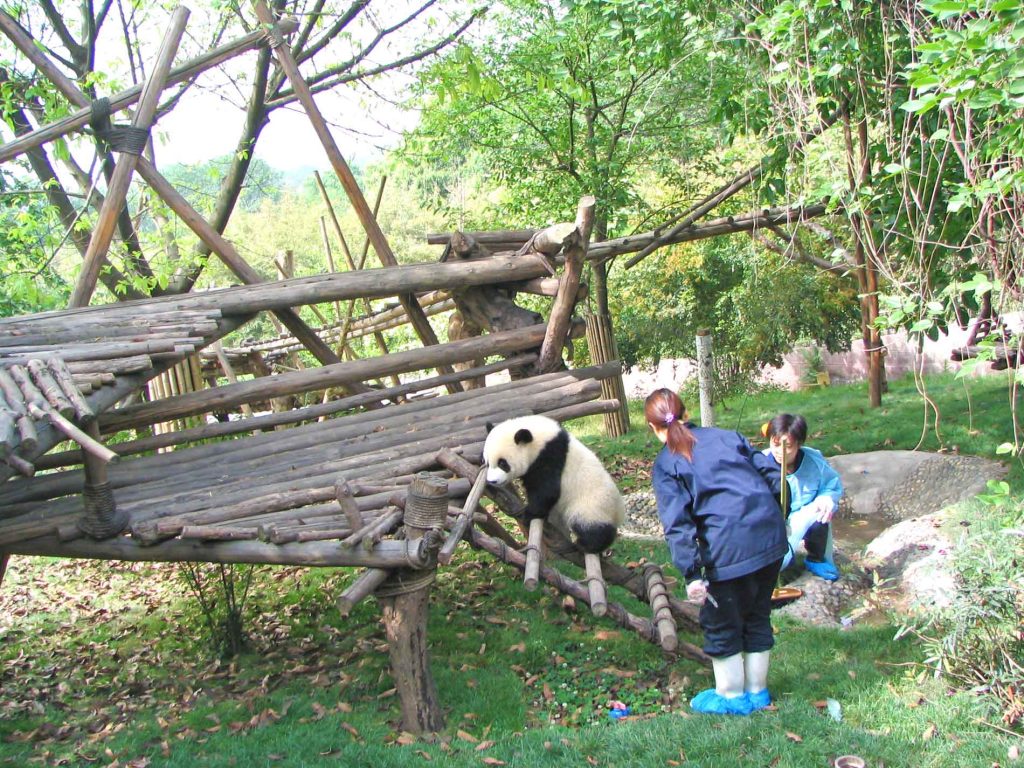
pixel 721 511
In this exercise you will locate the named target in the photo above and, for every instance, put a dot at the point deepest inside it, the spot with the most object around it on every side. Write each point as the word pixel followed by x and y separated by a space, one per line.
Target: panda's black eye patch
pixel 503 465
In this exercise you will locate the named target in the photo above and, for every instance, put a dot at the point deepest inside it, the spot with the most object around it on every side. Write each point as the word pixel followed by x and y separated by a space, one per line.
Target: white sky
pixel 204 126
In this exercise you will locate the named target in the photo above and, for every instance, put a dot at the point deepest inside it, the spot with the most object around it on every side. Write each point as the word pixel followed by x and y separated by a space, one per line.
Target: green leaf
pixel 1004 448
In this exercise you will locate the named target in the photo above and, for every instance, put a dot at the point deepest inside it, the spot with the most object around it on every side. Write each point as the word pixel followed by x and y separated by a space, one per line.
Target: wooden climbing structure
pixel 381 471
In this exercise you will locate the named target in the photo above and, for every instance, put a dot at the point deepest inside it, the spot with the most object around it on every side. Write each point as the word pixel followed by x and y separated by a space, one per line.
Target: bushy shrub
pixel 978 640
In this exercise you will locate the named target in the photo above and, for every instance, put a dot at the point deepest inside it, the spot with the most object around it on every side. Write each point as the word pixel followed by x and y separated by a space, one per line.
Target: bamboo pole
pixel 121 179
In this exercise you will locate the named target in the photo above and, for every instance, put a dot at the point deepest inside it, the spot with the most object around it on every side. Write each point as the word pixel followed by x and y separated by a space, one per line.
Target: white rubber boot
pixel 727 697
pixel 755 672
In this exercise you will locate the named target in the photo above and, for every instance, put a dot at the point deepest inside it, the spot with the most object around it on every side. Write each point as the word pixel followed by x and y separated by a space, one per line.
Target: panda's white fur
pixel 564 481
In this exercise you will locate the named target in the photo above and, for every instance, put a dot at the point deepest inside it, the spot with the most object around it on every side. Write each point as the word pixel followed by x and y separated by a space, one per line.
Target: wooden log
pixel 89 444
pixel 595 584
pixel 386 554
pixel 117 187
pixel 534 547
pixel 561 311
pixel 551 240
pixel 657 596
pixel 4 559
pixel 20 465
pixel 48 386
pixel 119 365
pixel 464 520
pixel 705 374
pixel 62 376
pixel 219 532
pixel 264 422
pixel 404 609
pixel 358 590
pixel 343 492
pixel 373 531
pixel 380 244
pixel 506 342
pixel 129 96
pixel 8 433
pixel 490 238
pixel 27 436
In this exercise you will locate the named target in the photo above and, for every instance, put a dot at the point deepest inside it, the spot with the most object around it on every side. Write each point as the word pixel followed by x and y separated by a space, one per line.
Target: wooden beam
pixel 380 243
pixel 117 189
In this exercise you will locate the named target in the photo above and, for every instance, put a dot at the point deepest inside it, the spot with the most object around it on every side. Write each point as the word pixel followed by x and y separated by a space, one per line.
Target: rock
pixel 905 484
pixel 916 556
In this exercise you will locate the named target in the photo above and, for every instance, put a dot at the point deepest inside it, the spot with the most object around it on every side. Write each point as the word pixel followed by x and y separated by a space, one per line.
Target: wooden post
pixel 561 310
pixel 122 177
pixel 404 607
pixel 4 559
pixel 705 378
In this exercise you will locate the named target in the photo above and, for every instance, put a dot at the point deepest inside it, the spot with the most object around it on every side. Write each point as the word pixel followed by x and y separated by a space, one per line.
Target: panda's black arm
pixel 542 492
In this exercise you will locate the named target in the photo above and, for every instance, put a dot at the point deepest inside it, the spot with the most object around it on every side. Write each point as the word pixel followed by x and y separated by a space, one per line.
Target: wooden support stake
pixel 534 550
pixel 595 584
pixel 121 179
pixel 405 607
pixel 20 465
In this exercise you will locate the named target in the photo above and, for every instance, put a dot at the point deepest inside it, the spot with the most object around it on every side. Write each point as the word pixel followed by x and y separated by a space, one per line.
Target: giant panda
pixel 565 482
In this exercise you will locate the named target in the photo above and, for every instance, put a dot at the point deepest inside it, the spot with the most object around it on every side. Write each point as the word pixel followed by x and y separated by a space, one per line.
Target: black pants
pixel 815 541
pixel 741 622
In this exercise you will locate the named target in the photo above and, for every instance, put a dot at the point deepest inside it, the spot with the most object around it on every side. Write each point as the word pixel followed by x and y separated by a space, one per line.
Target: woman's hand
pixel 824 508
pixel 697 591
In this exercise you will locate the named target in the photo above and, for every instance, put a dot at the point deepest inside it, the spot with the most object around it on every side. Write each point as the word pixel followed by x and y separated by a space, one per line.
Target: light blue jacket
pixel 813 478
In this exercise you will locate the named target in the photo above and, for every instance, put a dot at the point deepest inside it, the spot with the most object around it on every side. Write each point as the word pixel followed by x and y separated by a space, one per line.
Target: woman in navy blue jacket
pixel 718 499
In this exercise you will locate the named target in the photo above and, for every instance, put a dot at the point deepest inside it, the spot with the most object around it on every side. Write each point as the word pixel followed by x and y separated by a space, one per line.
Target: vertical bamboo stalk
pixel 534 547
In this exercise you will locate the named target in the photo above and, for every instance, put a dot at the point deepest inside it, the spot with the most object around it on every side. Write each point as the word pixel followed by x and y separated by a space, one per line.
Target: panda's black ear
pixel 523 436
pixel 490 426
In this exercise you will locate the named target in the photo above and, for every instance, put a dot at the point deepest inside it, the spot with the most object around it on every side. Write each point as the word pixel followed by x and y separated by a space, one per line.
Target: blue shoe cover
pixel 759 700
pixel 823 570
pixel 710 702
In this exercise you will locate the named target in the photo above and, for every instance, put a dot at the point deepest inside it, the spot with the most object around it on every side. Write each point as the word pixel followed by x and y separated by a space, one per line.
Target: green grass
pixel 106 663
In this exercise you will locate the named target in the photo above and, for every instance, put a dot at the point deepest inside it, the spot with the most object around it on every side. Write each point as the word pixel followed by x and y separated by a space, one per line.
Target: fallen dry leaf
pixel 466 736
pixel 794 737
pixel 406 739
pixel 930 732
pixel 484 745
pixel 492 761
